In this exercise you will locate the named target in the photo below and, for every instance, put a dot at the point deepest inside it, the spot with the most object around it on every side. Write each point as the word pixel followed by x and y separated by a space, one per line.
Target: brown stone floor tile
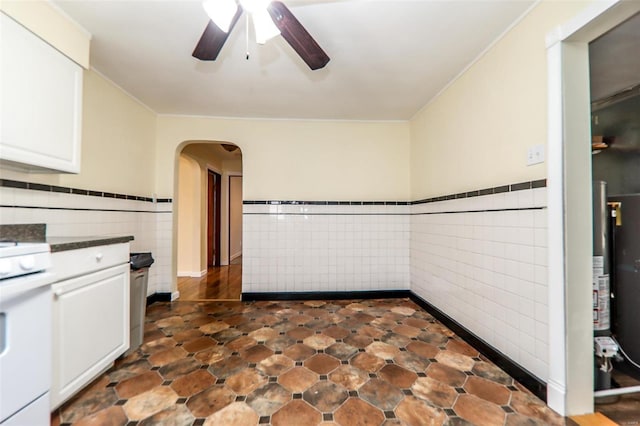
pixel 138 384
pixel 246 381
pixel 213 355
pixel 300 319
pixel 416 322
pixel 414 412
pixel 322 363
pixel 356 306
pixel 403 310
pixel 326 396
pixel 363 317
pixel 267 320
pixel 175 415
pixel 462 347
pixel 315 303
pixel 367 362
pixel 149 403
pixel 358 341
pixel 152 335
pixel 515 419
pixel 407 330
pixel 349 376
pixel 279 343
pixel 435 339
pixel 438 328
pixel 167 357
pixel 129 370
pixel 299 352
pixel 356 412
pixel 446 374
pixel 193 383
pixel 298 379
pixel 241 343
pixel 170 322
pixel 256 353
pixel 491 372
pixel 487 390
pixel 84 405
pixel 370 331
pixel 423 349
pixel 248 327
pixel 384 323
pixel 228 367
pixel 412 362
pixel 435 392
pixel 381 394
pixel 199 344
pixel 319 341
pixel 478 411
pixel 268 399
pixel 158 345
pixel 526 404
pixel 395 339
pixel 235 414
pixel 112 416
pixel 187 335
pixel 178 368
pixel 336 332
pixel 275 365
pixel 382 350
pixel 296 413
pixel 227 335
pixel 299 333
pixel 342 351
pixel 264 333
pixel 455 360
pixel 397 376
pixel 214 327
pixel 210 400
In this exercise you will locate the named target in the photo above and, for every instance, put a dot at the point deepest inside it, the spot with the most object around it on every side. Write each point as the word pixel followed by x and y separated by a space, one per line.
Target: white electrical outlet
pixel 535 155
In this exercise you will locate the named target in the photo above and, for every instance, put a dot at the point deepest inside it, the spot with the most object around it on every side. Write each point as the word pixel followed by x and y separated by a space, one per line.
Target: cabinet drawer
pixel 67 264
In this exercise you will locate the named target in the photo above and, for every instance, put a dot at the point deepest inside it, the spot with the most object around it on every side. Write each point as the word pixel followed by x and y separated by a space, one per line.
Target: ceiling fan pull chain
pixel 247 35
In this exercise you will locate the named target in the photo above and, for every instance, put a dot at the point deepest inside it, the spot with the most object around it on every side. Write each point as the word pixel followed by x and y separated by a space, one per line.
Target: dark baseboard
pixel 328 295
pixel 524 377
pixel 158 297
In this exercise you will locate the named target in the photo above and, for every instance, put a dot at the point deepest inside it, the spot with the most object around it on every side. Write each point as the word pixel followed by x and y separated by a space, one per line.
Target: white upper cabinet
pixel 41 103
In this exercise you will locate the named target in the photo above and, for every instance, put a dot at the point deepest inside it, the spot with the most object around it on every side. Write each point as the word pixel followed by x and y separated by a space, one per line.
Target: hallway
pixel 220 283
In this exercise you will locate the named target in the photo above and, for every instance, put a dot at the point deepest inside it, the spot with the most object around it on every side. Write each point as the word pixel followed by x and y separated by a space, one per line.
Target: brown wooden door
pixel 214 186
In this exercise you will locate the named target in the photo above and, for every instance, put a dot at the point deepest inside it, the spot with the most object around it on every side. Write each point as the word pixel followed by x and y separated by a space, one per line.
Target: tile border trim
pixel 520 374
pixel 520 186
pixel 8 183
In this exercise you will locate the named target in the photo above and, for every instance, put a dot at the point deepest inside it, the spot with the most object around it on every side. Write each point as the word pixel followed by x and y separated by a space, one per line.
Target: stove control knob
pixel 27 263
pixel 5 267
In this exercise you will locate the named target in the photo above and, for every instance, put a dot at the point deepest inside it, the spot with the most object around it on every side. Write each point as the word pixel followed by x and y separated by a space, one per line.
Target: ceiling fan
pixel 270 18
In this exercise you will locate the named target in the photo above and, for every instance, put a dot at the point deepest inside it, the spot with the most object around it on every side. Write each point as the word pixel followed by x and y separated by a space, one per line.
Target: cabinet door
pixel 41 102
pixel 90 328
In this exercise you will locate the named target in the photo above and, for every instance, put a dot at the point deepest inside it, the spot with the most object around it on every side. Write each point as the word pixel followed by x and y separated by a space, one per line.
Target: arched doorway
pixel 209 221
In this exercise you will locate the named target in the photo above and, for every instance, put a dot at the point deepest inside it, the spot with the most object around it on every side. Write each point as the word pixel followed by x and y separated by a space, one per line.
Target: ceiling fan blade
pixel 213 39
pixel 297 36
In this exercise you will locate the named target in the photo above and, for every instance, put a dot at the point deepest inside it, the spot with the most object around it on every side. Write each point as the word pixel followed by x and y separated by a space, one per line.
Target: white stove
pixel 25 333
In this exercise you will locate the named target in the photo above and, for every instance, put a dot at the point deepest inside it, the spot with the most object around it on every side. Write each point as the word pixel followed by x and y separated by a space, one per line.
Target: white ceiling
pixel 388 58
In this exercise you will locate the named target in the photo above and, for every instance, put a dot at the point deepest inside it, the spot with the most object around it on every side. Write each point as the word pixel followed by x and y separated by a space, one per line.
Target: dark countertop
pixel 73 243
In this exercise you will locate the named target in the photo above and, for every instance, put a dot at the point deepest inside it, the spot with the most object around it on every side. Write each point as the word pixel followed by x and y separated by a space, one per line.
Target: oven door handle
pixel 12 287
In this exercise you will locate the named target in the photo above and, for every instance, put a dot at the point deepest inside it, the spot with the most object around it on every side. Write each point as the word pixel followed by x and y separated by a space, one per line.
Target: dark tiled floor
pixel 365 362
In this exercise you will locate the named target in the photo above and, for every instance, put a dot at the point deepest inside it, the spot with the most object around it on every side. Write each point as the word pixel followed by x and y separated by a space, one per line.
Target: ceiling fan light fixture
pixel 264 26
pixel 221 12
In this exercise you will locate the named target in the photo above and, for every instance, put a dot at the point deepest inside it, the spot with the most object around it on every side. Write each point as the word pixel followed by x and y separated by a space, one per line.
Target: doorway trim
pixel 570 239
pixel 214 210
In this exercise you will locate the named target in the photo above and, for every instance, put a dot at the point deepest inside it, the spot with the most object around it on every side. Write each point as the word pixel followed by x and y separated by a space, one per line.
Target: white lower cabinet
pixel 90 327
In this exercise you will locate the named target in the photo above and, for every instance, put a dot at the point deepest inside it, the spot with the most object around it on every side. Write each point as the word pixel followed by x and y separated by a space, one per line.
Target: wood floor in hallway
pixel 220 283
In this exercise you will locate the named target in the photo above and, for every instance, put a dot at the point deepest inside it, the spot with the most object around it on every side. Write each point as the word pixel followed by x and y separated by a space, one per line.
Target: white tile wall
pixel 149 223
pixel 487 269
pixel 294 248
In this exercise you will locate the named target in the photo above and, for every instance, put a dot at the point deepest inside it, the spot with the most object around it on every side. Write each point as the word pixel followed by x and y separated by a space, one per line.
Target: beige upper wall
pixel 299 160
pixel 476 133
pixel 118 143
pixel 53 26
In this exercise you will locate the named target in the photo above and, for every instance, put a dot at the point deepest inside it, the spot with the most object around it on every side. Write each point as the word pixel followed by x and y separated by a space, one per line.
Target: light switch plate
pixel 535 155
